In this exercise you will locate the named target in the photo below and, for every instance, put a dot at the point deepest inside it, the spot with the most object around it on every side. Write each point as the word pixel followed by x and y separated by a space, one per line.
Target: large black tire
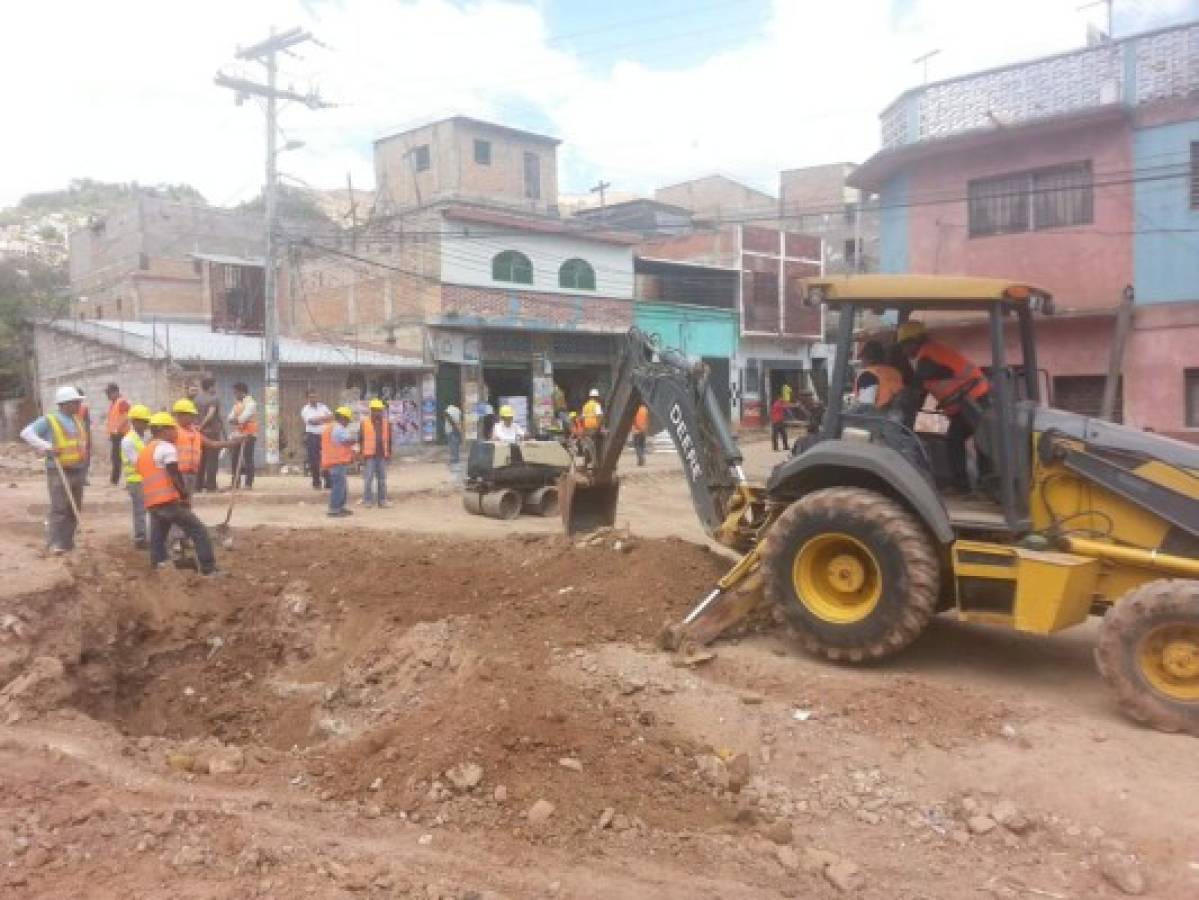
pixel 1160 615
pixel 906 572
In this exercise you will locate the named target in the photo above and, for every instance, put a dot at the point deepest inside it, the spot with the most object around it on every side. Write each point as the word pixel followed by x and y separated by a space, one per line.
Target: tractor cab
pixel 993 401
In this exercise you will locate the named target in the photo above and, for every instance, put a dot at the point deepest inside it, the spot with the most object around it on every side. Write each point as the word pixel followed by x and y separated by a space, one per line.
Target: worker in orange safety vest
pixel 167 498
pixel 375 444
pixel 959 387
pixel 337 454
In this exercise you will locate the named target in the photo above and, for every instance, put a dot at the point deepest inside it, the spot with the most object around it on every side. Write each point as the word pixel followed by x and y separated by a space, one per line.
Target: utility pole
pixel 266 52
pixel 923 60
pixel 602 189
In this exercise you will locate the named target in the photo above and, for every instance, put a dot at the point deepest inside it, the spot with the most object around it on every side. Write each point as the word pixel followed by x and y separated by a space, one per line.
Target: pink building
pixel 1076 172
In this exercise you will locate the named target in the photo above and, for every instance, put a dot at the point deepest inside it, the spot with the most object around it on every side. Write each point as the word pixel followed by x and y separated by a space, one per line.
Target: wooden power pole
pixel 266 52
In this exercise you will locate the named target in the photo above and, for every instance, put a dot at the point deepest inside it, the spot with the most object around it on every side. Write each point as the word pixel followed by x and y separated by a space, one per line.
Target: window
pixel 576 275
pixel 512 266
pixel 532 176
pixel 1026 201
pixel 1083 394
pixel 1191 389
pixel 482 152
pixel 420 158
pixel 1195 175
pixel 851 252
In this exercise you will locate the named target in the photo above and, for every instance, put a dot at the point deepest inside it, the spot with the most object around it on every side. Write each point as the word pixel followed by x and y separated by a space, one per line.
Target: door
pixel 447 390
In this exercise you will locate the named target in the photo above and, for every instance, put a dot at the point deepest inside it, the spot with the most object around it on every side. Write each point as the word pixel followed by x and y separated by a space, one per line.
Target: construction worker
pixel 315 416
pixel 640 430
pixel 131 447
pixel 375 443
pixel 337 453
pixel 167 498
pixel 191 443
pixel 507 429
pixel 243 420
pixel 452 421
pixel 61 435
pixel 877 384
pixel 957 384
pixel 593 412
pixel 117 426
pixel 209 405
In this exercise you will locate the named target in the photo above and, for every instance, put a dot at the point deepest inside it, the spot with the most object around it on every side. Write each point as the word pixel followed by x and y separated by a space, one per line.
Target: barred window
pixel 1025 201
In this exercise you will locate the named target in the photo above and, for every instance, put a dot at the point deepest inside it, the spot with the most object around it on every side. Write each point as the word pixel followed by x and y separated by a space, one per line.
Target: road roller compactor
pixel 505 479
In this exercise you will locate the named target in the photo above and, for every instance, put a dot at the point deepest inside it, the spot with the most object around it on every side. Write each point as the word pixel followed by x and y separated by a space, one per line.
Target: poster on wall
pixel 404 412
pixel 428 408
pixel 470 402
pixel 543 402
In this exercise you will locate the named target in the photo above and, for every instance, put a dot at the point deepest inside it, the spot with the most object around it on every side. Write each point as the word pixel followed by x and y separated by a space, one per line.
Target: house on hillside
pixel 1078 172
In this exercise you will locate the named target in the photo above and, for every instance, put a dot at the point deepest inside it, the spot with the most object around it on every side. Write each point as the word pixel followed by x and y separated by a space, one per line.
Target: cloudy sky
pixel 642 93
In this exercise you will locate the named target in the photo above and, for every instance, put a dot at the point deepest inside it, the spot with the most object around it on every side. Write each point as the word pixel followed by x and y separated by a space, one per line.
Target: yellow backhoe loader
pixel 860 542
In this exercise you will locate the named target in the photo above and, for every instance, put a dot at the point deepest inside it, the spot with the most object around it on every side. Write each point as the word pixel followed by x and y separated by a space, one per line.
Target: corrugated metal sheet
pixel 198 343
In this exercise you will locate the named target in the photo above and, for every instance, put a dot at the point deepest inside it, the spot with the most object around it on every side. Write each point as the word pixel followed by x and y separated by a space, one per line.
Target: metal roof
pixel 199 343
pixel 222 259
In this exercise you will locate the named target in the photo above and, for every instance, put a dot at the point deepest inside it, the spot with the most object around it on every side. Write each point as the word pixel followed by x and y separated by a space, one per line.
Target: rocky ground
pixel 477 709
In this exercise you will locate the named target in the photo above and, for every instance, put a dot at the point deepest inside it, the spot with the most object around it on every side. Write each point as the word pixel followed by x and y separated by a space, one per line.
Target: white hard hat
pixel 594 392
pixel 67 394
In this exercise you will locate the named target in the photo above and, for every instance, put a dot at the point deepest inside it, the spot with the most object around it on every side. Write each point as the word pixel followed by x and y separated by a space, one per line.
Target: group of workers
pixel 160 455
pixel 928 368
pixel 332 447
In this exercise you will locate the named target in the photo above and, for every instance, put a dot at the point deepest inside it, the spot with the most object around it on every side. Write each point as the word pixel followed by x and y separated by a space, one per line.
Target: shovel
pixel 223 531
pixel 66 486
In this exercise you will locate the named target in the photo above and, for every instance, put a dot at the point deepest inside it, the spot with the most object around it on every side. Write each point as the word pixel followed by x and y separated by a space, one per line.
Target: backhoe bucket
pixel 586 507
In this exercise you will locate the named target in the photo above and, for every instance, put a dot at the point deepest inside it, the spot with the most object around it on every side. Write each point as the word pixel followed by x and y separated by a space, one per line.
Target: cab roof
pixel 931 291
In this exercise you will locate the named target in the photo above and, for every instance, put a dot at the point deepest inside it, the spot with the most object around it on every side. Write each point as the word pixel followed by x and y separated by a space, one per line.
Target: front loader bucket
pixel 586 507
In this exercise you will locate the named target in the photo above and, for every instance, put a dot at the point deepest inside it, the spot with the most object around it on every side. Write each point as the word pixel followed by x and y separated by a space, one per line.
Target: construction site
pixel 428 703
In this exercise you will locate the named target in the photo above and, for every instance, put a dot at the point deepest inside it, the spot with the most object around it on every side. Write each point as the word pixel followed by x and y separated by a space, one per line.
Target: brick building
pixel 467 263
pixel 755 273
pixel 154 258
pixel 466 160
pixel 718 198
pixel 1077 172
pixel 818 200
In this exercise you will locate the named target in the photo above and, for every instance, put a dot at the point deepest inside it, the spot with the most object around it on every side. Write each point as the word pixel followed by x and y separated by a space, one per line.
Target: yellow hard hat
pixel 506 412
pixel 574 415
pixel 162 420
pixel 185 406
pixel 376 404
pixel 139 411
pixel 344 411
pixel 909 331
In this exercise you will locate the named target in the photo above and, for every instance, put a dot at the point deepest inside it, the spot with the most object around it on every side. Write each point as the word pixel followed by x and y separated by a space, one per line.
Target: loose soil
pixel 371 713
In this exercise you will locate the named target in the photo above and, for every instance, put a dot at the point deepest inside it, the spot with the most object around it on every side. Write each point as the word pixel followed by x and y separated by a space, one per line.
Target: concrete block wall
pixel 65 359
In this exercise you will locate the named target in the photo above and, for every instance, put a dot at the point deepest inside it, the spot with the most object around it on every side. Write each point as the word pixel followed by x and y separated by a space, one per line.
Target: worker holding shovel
pixel 63 439
pixel 167 498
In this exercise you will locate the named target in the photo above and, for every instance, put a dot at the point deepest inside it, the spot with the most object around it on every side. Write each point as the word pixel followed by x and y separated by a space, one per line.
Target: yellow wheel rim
pixel 1169 659
pixel 837 578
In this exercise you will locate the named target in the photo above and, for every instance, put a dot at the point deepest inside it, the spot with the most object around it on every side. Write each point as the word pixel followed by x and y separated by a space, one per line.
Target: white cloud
pixel 123 91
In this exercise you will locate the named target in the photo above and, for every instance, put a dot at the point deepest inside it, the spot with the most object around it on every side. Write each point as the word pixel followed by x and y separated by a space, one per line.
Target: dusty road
pixel 421 703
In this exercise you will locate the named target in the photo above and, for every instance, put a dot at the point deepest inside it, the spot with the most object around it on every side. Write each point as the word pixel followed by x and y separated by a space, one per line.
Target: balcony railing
pixel 1144 68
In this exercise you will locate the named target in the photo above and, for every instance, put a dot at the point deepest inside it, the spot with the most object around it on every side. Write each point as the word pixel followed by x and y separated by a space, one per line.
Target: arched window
pixel 511 265
pixel 577 275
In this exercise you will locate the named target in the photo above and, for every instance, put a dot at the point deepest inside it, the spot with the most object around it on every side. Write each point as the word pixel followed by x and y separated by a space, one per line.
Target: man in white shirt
pixel 244 421
pixel 453 431
pixel 507 430
pixel 315 415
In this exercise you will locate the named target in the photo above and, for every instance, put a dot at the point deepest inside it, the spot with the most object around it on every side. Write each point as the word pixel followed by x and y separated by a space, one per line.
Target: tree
pixel 91 195
pixel 29 290
pixel 293 204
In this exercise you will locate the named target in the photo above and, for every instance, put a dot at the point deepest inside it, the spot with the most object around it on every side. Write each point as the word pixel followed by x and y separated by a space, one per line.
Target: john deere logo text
pixel 686 444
